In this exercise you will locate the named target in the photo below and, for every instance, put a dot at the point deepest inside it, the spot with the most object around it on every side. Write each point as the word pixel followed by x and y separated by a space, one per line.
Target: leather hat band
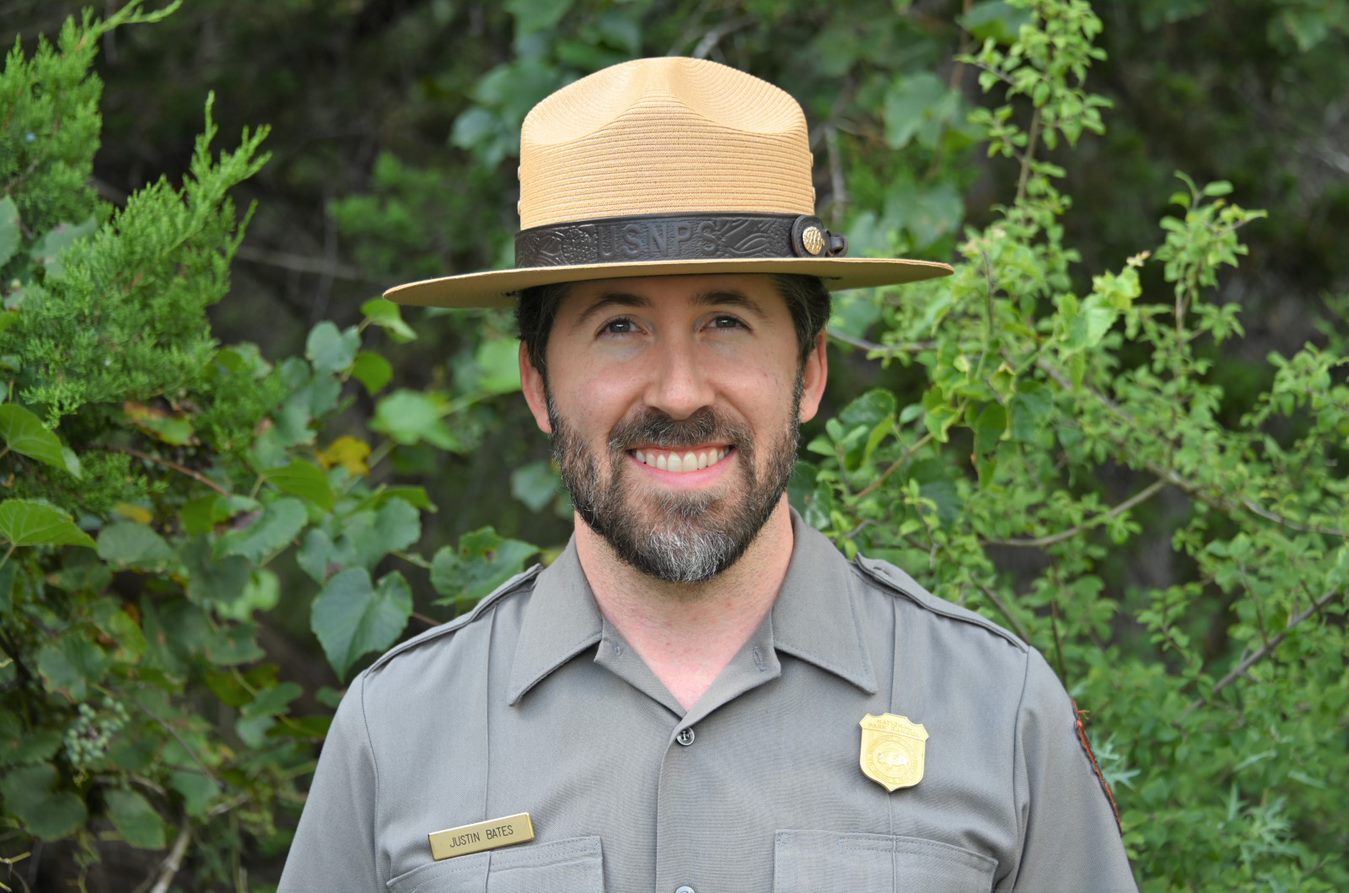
pixel 657 237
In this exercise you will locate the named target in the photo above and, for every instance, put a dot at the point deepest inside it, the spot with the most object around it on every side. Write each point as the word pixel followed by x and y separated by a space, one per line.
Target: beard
pixel 674 536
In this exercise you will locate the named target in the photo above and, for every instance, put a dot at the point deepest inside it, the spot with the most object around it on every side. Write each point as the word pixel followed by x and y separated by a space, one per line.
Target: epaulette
pixel 445 629
pixel 891 578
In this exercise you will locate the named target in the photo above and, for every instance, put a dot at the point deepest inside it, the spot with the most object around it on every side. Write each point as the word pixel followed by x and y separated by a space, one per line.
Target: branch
pixel 838 199
pixel 300 263
pixel 883 349
pixel 181 469
pixel 714 36
pixel 1040 542
pixel 174 861
pixel 1001 606
pixel 894 466
pixel 1183 483
pixel 1028 157
pixel 1266 650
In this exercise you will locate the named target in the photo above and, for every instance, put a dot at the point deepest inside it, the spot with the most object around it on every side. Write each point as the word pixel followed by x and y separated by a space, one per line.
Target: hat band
pixel 657 237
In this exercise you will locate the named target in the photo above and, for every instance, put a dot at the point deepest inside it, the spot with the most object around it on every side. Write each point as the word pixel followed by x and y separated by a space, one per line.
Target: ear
pixel 814 375
pixel 531 383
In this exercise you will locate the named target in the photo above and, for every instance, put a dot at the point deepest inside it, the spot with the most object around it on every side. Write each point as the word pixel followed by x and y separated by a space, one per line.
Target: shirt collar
pixel 560 621
pixel 814 617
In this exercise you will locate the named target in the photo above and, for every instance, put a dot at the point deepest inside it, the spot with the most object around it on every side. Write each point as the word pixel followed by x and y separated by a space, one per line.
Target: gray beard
pixel 689 538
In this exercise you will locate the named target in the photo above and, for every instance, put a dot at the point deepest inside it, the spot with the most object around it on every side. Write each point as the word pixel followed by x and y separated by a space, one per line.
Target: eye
pixel 620 326
pixel 725 321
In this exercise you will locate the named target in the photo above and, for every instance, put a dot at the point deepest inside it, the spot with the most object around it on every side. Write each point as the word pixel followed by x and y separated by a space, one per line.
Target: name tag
pixel 481 836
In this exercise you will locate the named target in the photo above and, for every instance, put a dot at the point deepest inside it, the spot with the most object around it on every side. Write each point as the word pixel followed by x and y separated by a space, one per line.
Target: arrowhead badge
pixel 892 750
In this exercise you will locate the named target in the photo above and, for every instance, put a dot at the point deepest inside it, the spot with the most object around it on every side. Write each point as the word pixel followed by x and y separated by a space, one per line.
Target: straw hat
pixel 665 166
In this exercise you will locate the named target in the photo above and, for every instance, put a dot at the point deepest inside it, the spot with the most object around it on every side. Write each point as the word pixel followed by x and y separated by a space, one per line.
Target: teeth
pixel 678 463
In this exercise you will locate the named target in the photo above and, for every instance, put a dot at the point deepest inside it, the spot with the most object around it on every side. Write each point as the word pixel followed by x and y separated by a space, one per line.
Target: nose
pixel 679 385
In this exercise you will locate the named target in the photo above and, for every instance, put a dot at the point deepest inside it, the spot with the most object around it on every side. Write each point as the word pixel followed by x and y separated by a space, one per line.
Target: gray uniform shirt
pixel 533 703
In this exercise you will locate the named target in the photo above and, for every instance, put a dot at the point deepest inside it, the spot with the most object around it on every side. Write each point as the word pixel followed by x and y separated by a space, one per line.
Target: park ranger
pixel 700 695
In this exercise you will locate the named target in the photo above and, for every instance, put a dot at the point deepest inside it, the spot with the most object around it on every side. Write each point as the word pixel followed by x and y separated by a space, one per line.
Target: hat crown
pixel 664 136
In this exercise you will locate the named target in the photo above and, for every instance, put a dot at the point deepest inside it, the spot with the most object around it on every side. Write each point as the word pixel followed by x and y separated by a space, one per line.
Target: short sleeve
pixel 334 846
pixel 1070 839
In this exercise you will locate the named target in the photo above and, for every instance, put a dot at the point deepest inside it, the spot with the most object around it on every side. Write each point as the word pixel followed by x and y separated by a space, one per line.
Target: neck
pixel 688 632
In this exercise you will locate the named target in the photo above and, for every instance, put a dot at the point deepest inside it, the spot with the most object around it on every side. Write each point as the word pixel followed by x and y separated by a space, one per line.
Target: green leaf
pixel 212 579
pixel 23 432
pixel 26 522
pixel 389 317
pixel 19 745
pixel 535 484
pixel 410 417
pixel 10 233
pixel 47 813
pixel 498 364
pixel 352 617
pixel 260 714
pixel 536 15
pixel 989 426
pixel 372 371
pixel 995 20
pixel 483 561
pixel 278 524
pixel 71 664
pixel 135 819
pixel 909 103
pixel 305 480
pixel 329 349
pixel 127 542
pixel 199 790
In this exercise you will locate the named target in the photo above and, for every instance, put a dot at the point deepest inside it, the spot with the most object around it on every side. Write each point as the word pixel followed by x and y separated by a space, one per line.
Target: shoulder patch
pixel 889 577
pixel 436 632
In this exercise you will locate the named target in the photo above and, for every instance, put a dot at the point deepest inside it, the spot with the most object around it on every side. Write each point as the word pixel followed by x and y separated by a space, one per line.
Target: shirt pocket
pixel 829 862
pixel 574 865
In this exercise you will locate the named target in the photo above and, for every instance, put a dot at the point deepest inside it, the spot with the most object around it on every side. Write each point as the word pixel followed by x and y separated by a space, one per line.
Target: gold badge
pixel 812 239
pixel 479 836
pixel 892 750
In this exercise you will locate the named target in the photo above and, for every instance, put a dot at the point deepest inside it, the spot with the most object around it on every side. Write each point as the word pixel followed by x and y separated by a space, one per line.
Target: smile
pixel 679 463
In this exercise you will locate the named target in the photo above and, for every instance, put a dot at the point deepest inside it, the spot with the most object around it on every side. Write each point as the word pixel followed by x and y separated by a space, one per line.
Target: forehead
pixel 756 293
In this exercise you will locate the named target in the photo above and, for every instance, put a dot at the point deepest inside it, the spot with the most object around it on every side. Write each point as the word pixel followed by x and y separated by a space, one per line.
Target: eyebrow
pixel 715 298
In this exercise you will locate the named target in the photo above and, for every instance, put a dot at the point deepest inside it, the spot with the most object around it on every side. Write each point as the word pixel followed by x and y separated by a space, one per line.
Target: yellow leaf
pixel 134 513
pixel 349 452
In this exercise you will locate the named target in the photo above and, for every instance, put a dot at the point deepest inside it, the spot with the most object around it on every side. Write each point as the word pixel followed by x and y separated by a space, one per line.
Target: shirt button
pixel 685 737
pixel 684 888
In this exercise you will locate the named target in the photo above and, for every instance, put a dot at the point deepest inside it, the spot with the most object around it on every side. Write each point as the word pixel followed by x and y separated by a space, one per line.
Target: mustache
pixel 655 428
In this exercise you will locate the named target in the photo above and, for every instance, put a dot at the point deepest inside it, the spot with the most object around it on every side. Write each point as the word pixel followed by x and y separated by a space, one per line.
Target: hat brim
pixel 499 288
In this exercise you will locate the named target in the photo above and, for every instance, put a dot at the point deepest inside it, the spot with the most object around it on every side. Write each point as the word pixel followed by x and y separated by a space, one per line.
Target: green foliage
pixel 161 490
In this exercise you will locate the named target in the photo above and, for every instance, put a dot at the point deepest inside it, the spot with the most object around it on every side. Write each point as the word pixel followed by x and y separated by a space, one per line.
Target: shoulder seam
pixel 928 602
pixel 488 601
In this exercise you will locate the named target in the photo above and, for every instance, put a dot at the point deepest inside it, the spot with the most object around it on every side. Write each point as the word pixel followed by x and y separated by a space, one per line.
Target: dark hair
pixel 806 297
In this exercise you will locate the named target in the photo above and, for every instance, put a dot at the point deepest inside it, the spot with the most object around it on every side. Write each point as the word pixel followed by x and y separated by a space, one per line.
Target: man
pixel 701 695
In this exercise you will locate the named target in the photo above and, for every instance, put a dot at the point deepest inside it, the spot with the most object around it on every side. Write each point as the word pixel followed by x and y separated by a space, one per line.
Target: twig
pixel 1028 157
pixel 1266 650
pixel 300 263
pixel 1040 542
pixel 883 349
pixel 429 621
pixel 714 36
pixel 838 199
pixel 174 861
pixel 1006 612
pixel 167 463
pixel 894 466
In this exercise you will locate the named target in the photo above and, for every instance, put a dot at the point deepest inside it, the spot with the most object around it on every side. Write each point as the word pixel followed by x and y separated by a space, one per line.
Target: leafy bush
pixel 155 482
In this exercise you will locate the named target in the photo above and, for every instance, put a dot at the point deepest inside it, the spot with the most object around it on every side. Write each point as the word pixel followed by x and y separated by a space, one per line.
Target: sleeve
pixel 1069 837
pixel 334 845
